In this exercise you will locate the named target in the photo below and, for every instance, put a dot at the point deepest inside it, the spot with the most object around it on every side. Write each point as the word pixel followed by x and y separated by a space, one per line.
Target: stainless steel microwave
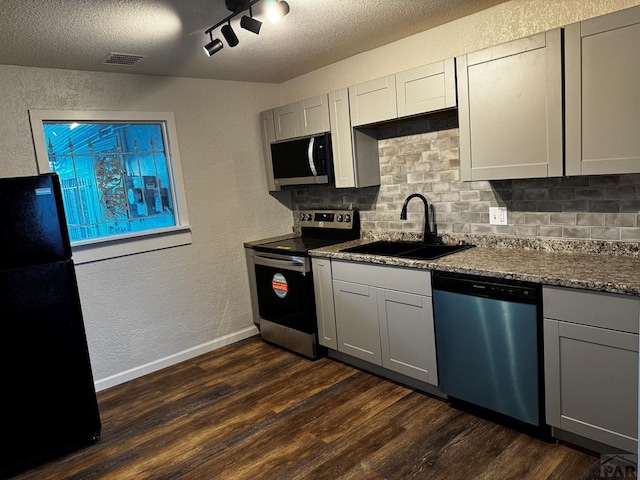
pixel 302 161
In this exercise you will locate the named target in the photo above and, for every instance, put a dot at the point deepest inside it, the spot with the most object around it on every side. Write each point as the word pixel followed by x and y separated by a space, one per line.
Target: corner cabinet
pixel 602 74
pixel 591 365
pixel 384 315
pixel 510 109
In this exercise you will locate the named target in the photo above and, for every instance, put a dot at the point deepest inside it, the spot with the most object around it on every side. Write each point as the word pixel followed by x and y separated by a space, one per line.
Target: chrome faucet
pixel 403 214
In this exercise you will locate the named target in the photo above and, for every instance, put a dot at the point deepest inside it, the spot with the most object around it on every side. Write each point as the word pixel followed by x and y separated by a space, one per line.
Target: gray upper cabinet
pixel 591 365
pixel 287 121
pixel 602 74
pixel 300 119
pixel 373 101
pixel 314 115
pixel 267 128
pixel 426 89
pixel 420 90
pixel 510 109
pixel 355 152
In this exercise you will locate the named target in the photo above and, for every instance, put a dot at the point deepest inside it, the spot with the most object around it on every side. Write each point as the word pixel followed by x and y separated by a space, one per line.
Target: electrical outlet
pixel 497 215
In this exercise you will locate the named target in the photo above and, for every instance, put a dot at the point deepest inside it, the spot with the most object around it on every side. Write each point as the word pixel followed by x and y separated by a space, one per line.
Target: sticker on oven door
pixel 280 285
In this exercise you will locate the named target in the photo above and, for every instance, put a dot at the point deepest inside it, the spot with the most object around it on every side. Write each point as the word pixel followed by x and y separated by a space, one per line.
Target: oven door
pixel 284 287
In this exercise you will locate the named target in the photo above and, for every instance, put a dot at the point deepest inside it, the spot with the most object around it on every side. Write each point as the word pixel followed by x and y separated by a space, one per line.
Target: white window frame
pixel 92 250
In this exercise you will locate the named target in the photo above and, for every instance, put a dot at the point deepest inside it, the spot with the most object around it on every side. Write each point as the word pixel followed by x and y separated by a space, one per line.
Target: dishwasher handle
pixel 487 287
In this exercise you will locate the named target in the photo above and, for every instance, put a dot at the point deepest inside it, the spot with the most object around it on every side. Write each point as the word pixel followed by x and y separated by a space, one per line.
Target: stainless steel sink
pixel 400 249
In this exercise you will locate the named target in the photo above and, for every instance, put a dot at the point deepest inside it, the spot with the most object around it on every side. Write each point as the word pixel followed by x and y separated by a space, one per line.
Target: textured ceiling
pixel 169 34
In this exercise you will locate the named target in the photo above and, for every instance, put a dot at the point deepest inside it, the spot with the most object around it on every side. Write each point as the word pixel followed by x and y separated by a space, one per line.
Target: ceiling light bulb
pixel 277 10
pixel 215 45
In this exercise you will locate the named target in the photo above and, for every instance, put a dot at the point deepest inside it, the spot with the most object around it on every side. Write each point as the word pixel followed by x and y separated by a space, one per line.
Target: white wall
pixel 504 22
pixel 142 309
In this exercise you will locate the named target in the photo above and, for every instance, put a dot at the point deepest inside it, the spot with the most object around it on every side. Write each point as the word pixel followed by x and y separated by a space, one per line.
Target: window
pixel 120 177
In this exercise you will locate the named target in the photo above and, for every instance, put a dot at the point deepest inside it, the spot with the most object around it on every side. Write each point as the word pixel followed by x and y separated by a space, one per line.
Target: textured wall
pixel 603 207
pixel 504 22
pixel 143 308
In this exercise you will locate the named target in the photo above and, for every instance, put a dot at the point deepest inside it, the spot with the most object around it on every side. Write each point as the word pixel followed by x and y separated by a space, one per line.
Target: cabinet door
pixel 341 139
pixel 426 89
pixel 510 109
pixel 268 136
pixel 591 382
pixel 324 302
pixel 407 334
pixel 287 121
pixel 373 101
pixel 357 324
pixel 603 95
pixel 355 152
pixel 314 115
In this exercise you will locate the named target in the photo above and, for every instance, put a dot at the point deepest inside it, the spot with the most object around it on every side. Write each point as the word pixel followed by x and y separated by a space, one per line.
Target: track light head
pixel 251 24
pixel 277 10
pixel 229 35
pixel 215 45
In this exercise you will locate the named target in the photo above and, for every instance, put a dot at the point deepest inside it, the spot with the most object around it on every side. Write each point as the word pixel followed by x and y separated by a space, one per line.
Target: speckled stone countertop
pixel 603 273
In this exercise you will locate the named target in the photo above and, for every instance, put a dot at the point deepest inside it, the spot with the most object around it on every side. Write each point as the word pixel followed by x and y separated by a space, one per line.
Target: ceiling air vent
pixel 122 59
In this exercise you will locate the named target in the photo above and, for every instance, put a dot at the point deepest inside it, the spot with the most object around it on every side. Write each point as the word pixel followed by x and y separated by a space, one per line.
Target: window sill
pixel 106 248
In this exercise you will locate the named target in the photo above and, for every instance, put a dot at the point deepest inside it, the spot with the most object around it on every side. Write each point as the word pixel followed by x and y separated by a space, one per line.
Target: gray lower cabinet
pixel 384 315
pixel 510 109
pixel 325 309
pixel 591 365
pixel 357 325
pixel 602 74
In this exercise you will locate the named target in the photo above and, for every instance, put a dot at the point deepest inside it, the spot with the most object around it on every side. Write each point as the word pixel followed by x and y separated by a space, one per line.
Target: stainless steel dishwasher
pixel 488 343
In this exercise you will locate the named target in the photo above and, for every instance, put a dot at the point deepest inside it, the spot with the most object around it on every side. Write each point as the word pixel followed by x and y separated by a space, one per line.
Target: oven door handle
pixel 285 264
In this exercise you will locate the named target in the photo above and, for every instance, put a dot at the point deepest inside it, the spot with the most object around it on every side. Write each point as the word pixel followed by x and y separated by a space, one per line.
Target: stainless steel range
pixel 282 282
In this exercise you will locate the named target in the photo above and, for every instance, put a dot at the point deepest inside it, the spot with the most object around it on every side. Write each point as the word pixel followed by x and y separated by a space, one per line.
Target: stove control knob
pixel 308 217
pixel 339 218
pixel 302 217
pixel 347 217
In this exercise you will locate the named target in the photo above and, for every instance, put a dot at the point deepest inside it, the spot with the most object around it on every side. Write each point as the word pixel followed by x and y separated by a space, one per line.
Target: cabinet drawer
pixel 605 310
pixel 392 278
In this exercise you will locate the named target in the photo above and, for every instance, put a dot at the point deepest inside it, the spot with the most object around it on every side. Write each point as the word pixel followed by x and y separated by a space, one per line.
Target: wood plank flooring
pixel 254 411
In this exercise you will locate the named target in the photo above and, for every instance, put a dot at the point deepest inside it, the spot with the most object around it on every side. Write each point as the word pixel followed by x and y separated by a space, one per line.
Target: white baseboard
pixel 136 372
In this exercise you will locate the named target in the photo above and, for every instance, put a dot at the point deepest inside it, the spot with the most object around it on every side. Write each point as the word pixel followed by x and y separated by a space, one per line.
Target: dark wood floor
pixel 254 411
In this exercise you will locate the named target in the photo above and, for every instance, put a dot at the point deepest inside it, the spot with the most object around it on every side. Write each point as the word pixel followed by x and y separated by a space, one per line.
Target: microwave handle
pixel 312 165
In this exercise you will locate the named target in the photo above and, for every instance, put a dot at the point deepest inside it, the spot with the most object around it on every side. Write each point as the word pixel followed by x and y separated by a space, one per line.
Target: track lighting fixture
pixel 250 23
pixel 229 35
pixel 275 11
pixel 213 46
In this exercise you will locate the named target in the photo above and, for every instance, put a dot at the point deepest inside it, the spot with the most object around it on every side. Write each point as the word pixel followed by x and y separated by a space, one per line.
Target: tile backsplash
pixel 599 207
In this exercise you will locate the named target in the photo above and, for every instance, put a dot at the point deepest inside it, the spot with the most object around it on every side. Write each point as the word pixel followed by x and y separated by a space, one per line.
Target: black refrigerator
pixel 48 405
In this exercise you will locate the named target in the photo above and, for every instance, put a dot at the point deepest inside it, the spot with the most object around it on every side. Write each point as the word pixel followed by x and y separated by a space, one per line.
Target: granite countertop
pixel 603 273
